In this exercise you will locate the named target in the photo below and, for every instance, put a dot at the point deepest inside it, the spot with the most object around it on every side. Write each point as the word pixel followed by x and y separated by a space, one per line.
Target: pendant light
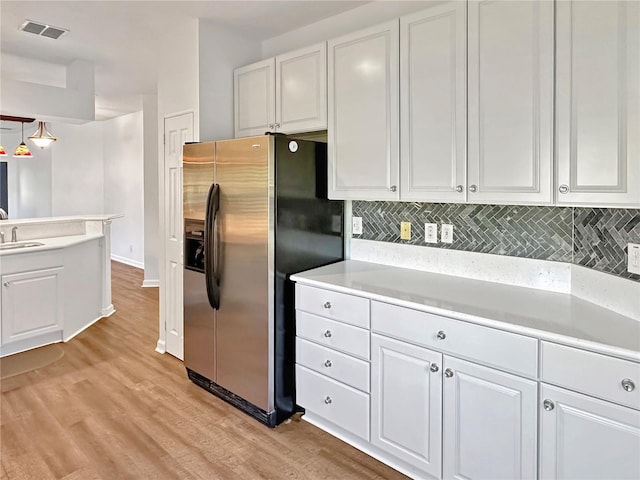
pixel 42 137
pixel 3 152
pixel 22 151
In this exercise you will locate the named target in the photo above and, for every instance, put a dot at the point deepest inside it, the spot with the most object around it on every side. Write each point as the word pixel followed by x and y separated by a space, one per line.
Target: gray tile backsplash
pixel 593 237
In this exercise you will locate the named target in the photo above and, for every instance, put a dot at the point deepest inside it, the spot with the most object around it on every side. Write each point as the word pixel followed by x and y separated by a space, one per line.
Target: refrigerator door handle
pixel 210 246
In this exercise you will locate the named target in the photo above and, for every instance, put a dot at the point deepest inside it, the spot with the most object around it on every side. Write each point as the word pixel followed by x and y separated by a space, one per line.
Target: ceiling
pixel 120 37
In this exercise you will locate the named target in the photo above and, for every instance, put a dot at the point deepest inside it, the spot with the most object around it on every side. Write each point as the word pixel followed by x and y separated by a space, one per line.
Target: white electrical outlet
pixel 431 232
pixel 356 225
pixel 446 236
pixel 633 258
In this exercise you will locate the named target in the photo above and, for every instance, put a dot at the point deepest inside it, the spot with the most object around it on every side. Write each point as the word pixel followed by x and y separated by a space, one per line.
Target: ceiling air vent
pixel 42 29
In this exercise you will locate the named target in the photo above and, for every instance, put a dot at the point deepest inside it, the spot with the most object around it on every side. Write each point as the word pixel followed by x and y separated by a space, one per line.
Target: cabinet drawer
pixel 346 407
pixel 331 363
pixel 591 373
pixel 334 305
pixel 496 348
pixel 347 339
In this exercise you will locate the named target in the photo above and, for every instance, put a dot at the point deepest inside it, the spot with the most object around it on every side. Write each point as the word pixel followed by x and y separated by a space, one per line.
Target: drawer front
pixel 334 364
pixel 496 348
pixel 346 407
pixel 347 339
pixel 334 305
pixel 591 373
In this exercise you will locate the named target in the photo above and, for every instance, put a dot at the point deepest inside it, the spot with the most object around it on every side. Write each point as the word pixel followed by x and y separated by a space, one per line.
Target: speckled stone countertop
pixel 553 316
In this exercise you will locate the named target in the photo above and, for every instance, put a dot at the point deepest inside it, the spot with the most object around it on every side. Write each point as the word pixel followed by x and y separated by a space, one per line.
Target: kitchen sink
pixel 14 245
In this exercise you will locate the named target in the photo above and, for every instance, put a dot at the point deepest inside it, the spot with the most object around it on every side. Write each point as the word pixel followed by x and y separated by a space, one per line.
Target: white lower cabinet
pixel 31 304
pixel 586 438
pixel 490 423
pixel 406 403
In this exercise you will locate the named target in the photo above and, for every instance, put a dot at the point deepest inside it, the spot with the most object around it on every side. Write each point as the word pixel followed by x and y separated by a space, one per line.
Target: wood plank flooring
pixel 112 408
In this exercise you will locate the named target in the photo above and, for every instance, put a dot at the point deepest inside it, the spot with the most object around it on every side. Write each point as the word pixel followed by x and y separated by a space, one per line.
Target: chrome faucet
pixel 14 234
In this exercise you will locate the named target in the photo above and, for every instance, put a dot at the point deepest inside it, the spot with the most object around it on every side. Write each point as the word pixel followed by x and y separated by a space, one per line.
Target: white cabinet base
pixel 365 447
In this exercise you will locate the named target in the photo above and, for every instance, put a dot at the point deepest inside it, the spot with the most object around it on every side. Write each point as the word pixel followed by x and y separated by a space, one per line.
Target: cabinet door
pixel 22 316
pixel 585 438
pixel 433 123
pixel 363 114
pixel 253 96
pixel 510 101
pixel 598 103
pixel 301 90
pixel 406 403
pixel 490 423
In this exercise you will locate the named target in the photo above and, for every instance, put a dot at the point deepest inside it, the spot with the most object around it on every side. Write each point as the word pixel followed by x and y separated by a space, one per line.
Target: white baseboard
pixel 108 311
pixel 69 337
pixel 161 346
pixel 150 283
pixel 127 261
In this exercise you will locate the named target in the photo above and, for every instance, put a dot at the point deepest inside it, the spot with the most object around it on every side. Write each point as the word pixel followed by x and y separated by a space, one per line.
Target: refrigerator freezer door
pixel 197 177
pixel 245 173
pixel 199 317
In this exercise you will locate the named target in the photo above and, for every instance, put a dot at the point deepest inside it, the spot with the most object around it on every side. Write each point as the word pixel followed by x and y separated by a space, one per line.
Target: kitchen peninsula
pixel 55 279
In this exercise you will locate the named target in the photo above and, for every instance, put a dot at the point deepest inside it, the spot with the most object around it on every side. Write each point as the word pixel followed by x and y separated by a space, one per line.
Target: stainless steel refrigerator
pixel 255 212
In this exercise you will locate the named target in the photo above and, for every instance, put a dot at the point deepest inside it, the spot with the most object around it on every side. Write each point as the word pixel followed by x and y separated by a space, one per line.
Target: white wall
pixel 221 51
pixel 28 179
pixel 365 16
pixel 77 172
pixel 151 198
pixel 123 159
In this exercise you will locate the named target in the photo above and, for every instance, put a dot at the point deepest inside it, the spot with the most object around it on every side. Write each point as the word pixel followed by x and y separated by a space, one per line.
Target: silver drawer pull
pixel 473 188
pixel 459 189
pixel 328 363
pixel 434 368
pixel 448 373
pixel 563 189
pixel 393 188
pixel 327 305
pixel 628 385
pixel 7 284
pixel 441 335
pixel 327 400
pixel 548 405
pixel 327 333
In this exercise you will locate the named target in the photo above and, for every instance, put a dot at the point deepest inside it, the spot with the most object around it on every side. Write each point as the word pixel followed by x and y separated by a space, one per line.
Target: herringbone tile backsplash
pixel 595 238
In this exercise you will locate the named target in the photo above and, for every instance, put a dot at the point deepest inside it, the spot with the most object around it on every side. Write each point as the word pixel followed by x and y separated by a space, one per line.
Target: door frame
pixel 161 345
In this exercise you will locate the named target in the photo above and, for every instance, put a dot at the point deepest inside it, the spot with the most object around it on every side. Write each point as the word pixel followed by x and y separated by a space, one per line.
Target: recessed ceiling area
pixel 121 37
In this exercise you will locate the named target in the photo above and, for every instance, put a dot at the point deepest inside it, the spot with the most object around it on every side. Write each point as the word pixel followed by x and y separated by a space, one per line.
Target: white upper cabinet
pixel 433 123
pixel 253 89
pixel 510 113
pixel 363 124
pixel 286 94
pixel 598 103
pixel 301 90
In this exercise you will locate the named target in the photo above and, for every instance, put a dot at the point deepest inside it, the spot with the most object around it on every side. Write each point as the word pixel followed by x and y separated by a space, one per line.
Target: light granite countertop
pixel 51 243
pixel 557 317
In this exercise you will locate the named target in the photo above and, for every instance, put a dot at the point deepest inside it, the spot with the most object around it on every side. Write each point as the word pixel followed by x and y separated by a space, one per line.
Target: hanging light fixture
pixel 42 137
pixel 3 152
pixel 22 151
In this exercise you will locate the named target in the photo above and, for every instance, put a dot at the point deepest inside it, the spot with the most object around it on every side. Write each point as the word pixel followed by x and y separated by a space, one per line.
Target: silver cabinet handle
pixel 393 188
pixel 7 284
pixel 448 373
pixel 327 333
pixel 473 188
pixel 327 400
pixel 328 363
pixel 441 335
pixel 548 405
pixel 434 368
pixel 327 305
pixel 271 126
pixel 563 189
pixel 628 385
pixel 459 188
pixel 277 125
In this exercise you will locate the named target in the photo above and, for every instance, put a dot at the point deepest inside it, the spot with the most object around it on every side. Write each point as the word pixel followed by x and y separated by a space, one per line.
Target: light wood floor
pixel 111 408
